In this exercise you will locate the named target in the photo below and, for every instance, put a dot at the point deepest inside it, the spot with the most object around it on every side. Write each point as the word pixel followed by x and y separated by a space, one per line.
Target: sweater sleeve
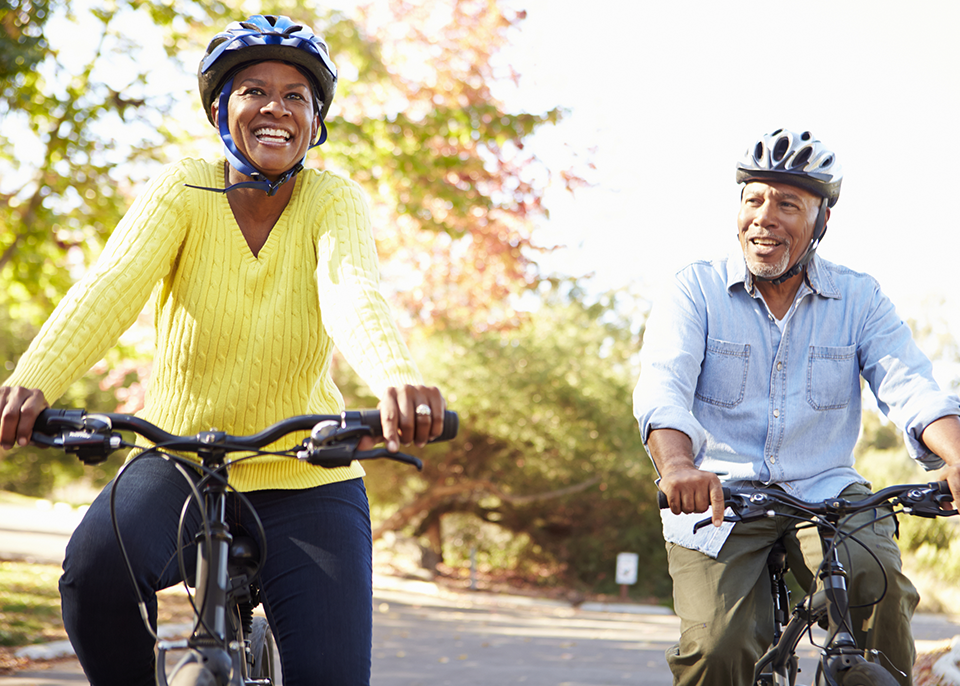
pixel 89 320
pixel 355 313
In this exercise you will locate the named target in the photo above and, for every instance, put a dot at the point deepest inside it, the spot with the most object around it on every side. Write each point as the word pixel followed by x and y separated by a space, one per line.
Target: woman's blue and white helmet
pixel 264 38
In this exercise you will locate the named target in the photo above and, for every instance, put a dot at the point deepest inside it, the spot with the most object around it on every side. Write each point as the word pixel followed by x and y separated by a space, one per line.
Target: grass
pixel 29 604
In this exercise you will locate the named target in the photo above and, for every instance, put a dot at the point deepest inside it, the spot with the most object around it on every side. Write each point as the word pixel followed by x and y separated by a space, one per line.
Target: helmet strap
pixel 240 163
pixel 819 229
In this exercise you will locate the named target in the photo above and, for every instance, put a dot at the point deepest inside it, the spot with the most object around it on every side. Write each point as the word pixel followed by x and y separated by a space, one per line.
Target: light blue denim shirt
pixel 779 403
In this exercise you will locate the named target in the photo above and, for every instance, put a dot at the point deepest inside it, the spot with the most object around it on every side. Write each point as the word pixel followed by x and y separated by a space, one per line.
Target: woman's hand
pixel 411 414
pixel 19 408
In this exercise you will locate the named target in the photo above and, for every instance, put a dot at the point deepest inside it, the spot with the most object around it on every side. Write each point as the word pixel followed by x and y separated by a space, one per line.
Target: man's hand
pixel 951 474
pixel 687 488
pixel 19 408
pixel 693 490
pixel 943 438
pixel 411 414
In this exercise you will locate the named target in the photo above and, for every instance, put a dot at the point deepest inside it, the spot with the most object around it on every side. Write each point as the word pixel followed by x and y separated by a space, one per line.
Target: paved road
pixel 428 635
pixel 440 638
pixel 35 530
pixel 425 636
pixel 474 640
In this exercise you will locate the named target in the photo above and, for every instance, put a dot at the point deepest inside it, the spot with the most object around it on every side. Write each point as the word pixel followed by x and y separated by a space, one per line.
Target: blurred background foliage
pixel 547 480
pixel 931 552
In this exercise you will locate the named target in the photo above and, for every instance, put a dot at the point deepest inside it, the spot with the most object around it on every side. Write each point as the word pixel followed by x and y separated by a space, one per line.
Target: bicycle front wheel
pixel 867 674
pixel 262 664
pixel 193 674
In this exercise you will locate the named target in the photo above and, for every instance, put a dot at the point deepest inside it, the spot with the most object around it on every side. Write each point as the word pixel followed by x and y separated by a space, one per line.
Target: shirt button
pixel 776 413
pixel 773 460
pixel 779 366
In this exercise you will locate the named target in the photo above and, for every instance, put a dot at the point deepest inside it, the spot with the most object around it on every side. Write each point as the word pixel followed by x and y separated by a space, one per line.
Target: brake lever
pixel 378 453
pixel 334 445
pixel 709 520
pixel 926 503
pixel 88 436
pixel 342 454
pixel 745 509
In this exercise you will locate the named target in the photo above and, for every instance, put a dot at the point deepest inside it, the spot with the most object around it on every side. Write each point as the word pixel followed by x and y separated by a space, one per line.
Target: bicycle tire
pixel 867 674
pixel 261 651
pixel 193 674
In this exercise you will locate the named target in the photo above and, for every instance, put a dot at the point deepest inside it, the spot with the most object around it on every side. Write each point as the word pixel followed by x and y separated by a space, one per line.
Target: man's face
pixel 776 223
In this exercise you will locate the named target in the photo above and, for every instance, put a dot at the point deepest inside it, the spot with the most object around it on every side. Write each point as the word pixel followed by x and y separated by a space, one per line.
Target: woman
pixel 255 283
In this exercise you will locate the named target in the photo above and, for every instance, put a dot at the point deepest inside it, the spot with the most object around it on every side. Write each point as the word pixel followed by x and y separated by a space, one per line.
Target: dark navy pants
pixel 316 586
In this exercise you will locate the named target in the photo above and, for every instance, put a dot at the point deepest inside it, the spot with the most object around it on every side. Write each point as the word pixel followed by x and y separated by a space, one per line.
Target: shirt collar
pixel 817 277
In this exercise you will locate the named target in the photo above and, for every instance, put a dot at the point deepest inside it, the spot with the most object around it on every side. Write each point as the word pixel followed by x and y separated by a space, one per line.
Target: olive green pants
pixel 726 609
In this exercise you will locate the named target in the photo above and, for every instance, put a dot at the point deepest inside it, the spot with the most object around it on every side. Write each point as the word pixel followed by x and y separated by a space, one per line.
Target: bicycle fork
pixel 841 652
pixel 779 666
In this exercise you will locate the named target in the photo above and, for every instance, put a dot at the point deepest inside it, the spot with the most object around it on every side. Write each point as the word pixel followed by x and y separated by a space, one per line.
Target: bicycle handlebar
pixel 92 435
pixel 923 500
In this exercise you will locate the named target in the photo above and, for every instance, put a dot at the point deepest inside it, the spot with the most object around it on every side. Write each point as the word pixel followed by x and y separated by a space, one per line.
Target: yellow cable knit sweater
pixel 242 341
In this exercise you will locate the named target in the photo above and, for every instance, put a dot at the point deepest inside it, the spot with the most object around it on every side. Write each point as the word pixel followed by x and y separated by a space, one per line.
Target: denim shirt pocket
pixel 829 373
pixel 723 374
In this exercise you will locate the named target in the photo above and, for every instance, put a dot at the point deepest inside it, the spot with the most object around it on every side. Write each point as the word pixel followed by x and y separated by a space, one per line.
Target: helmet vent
pixel 795 158
pixel 780 149
pixel 801 158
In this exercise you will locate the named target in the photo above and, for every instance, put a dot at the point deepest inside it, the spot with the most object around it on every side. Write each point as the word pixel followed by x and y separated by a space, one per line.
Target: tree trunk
pixel 433 552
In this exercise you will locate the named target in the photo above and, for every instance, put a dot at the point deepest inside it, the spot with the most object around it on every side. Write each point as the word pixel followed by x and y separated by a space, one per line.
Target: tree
pixel 415 122
pixel 446 164
pixel 22 44
pixel 548 447
pixel 70 176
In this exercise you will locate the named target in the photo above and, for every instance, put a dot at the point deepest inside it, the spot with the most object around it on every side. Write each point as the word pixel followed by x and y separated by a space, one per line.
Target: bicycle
pixel 841 661
pixel 228 645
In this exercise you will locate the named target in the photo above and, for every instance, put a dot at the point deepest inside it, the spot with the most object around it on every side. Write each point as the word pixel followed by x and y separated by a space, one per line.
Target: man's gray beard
pixel 769 271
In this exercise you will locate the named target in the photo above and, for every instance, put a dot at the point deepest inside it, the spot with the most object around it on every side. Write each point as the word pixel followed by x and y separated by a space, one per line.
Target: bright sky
pixel 672 93
pixel 665 96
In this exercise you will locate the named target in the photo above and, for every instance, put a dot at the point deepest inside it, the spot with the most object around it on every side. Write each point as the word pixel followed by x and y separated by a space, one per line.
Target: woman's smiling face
pixel 272 118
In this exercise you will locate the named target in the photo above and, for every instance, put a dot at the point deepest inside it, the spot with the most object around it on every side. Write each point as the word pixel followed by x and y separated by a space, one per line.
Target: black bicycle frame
pixel 210 642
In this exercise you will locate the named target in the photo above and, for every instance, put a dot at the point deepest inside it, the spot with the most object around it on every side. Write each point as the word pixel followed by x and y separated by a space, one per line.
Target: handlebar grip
pixel 371 419
pixel 451 424
pixel 663 504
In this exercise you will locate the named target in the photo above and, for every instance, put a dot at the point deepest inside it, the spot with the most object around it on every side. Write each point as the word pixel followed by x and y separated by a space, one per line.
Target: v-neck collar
pixel 275 235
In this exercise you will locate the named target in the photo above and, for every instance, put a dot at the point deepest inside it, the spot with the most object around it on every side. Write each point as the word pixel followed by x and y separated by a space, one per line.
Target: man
pixel 751 374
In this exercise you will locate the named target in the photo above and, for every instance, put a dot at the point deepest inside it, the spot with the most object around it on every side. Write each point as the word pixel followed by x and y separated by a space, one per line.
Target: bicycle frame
pixel 219 654
pixel 779 665
pixel 217 641
pixel 841 660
